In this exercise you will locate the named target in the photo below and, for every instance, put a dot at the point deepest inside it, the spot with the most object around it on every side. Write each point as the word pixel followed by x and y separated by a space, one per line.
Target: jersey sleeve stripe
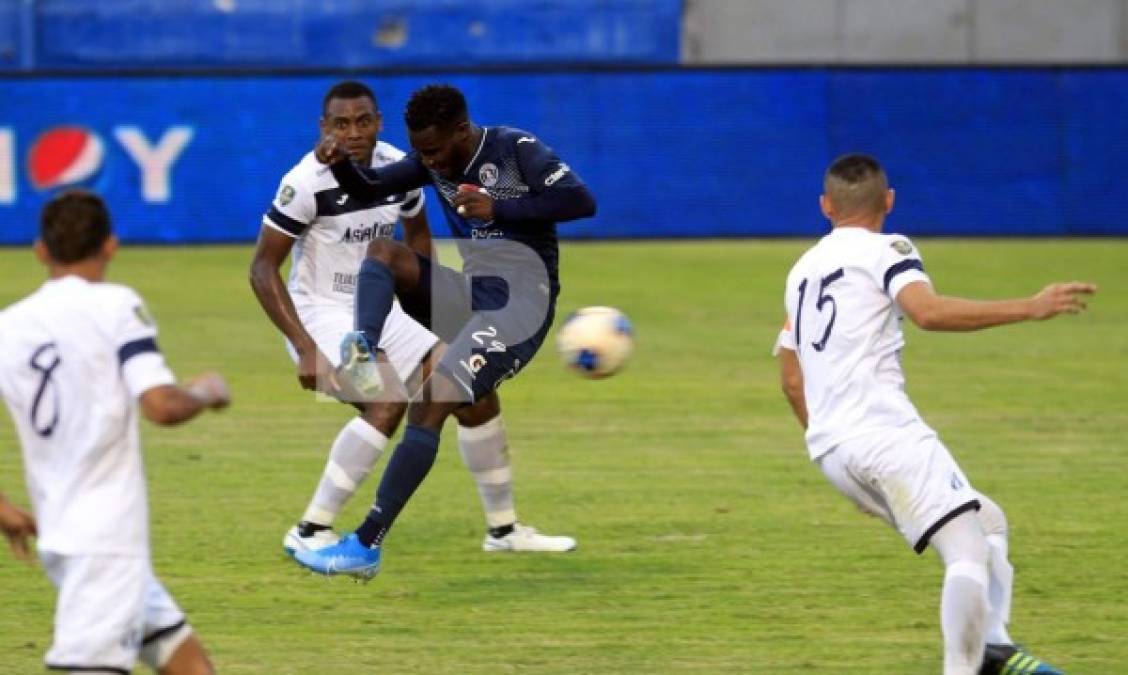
pixel 410 204
pixel 898 268
pixel 285 223
pixel 131 349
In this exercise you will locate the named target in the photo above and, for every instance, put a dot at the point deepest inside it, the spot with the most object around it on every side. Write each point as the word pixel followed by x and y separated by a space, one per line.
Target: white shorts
pixel 111 611
pixel 904 476
pixel 404 340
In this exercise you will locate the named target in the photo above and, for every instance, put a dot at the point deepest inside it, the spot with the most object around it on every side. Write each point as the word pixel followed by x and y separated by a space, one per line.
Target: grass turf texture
pixel 708 543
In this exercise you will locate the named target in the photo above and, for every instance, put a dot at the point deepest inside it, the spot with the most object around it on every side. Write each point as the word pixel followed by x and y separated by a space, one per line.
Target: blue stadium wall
pixel 669 152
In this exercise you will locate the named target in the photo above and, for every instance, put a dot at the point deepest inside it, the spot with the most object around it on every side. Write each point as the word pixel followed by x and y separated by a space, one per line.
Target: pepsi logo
pixel 64 156
pixel 68 154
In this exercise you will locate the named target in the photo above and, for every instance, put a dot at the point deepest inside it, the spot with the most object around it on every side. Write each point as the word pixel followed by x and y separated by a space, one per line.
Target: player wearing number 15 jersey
pixel 840 356
pixel 78 358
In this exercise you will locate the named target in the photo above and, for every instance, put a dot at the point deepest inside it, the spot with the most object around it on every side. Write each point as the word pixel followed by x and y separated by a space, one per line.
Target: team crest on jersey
pixel 285 195
pixel 488 174
pixel 903 247
pixel 143 315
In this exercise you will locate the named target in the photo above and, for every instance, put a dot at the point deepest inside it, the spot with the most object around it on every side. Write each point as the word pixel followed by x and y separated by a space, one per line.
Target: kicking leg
pixel 389 268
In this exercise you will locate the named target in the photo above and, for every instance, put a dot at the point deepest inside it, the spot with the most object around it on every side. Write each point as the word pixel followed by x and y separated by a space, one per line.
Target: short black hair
pixel 856 183
pixel 74 225
pixel 436 105
pixel 348 89
pixel 854 168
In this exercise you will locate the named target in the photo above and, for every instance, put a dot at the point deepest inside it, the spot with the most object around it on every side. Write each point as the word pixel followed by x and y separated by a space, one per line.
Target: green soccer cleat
pixel 1014 660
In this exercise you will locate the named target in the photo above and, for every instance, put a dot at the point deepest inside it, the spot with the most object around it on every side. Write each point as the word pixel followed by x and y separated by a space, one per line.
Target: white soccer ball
pixel 595 341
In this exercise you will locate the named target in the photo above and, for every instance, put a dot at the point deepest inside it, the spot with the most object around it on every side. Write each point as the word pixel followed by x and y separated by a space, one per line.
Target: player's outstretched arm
pixel 791 381
pixel 170 404
pixel 931 311
pixel 367 184
pixel 17 525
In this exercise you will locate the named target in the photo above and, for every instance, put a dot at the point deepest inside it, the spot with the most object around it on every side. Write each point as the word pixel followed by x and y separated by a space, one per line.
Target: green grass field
pixel 708 543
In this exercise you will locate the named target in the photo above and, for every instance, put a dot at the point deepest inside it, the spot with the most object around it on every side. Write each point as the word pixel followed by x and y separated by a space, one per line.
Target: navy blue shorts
pixel 492 331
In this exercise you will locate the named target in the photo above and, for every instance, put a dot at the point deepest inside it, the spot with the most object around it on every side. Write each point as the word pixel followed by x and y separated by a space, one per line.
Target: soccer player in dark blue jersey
pixel 502 191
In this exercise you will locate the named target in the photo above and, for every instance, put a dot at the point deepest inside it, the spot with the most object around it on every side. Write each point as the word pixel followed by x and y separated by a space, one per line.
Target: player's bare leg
pixel 189 658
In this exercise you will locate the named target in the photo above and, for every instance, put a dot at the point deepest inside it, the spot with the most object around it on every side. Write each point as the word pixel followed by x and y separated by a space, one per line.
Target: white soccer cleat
pixel 294 541
pixel 524 538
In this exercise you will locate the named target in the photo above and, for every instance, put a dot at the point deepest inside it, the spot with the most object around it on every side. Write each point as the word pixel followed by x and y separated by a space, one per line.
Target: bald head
pixel 856 185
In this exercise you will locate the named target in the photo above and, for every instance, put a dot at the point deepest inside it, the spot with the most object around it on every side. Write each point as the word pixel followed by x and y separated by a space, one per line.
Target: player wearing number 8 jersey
pixel 841 371
pixel 78 358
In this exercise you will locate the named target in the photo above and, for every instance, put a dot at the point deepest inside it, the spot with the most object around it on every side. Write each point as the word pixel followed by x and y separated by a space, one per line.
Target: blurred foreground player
pixel 78 358
pixel 503 191
pixel 328 233
pixel 841 372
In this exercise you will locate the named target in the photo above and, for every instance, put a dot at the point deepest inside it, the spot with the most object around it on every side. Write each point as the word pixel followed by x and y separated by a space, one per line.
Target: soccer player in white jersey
pixel 327 233
pixel 78 357
pixel 841 372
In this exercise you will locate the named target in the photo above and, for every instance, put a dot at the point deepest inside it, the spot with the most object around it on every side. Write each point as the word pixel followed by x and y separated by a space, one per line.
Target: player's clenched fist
pixel 17 525
pixel 474 202
pixel 315 372
pixel 328 150
pixel 1061 298
pixel 210 389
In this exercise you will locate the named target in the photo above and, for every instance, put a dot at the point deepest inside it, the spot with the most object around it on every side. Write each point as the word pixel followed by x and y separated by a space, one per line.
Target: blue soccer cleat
pixel 1014 660
pixel 358 364
pixel 348 556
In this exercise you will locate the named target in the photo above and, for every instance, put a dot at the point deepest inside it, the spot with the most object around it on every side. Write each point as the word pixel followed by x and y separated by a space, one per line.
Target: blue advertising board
pixel 668 153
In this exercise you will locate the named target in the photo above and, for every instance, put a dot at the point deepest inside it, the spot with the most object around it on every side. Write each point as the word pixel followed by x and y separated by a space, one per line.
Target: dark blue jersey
pixel 531 187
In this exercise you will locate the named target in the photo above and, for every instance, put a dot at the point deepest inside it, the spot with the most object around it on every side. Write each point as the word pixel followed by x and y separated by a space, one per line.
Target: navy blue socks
pixel 408 466
pixel 375 289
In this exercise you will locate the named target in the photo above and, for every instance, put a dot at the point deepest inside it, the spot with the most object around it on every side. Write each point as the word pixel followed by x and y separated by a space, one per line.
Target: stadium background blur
pixel 690 119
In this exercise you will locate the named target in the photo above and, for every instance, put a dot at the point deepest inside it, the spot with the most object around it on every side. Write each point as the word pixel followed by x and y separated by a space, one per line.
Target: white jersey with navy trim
pixel 844 324
pixel 74 357
pixel 332 229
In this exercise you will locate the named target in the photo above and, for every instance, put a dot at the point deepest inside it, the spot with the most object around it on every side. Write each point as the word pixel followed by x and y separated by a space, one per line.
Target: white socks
pixel 485 451
pixel 963 603
pixel 994 524
pixel 354 452
pixel 358 447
